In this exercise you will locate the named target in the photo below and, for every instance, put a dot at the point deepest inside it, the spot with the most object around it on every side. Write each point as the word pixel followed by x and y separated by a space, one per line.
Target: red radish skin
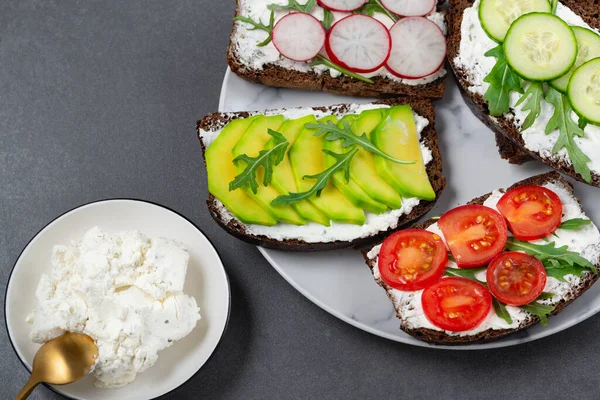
pixel 410 8
pixel 299 36
pixel 342 5
pixel 359 43
pixel 418 48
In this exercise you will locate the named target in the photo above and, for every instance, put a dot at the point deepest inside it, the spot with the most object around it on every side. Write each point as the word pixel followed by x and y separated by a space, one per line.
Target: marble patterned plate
pixel 339 281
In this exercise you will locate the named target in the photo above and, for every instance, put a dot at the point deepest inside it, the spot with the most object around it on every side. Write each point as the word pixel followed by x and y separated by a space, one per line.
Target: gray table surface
pixel 99 99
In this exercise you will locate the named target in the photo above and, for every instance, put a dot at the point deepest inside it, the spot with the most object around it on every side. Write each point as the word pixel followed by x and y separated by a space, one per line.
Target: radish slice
pixel 342 5
pixel 359 43
pixel 409 8
pixel 418 48
pixel 299 36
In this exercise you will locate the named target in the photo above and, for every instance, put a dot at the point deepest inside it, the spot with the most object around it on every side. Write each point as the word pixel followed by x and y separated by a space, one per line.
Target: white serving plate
pixel 206 281
pixel 339 281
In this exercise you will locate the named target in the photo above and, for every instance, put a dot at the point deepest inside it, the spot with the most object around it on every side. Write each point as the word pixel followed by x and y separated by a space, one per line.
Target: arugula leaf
pixel 259 26
pixel 554 6
pixel 294 6
pixel 320 60
pixel 540 310
pixel 327 19
pixel 342 163
pixel 575 224
pixel 545 296
pixel 373 6
pixel 468 273
pixel 266 158
pixel 534 104
pixel 502 80
pixel 501 310
pixel 568 129
pixel 332 132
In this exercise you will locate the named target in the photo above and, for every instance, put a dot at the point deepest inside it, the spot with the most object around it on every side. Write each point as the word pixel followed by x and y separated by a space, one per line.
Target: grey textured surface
pixel 99 99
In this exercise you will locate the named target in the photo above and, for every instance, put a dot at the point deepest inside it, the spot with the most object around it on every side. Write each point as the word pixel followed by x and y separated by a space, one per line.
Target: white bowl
pixel 206 281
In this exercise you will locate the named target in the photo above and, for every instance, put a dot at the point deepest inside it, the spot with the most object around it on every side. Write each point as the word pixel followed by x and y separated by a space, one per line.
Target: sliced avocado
pixel 350 189
pixel 307 158
pixel 283 177
pixel 397 136
pixel 221 171
pixel 362 168
pixel 251 143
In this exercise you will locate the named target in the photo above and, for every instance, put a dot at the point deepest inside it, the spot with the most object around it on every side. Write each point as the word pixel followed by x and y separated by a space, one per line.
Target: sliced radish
pixel 359 43
pixel 418 48
pixel 410 8
pixel 342 5
pixel 299 36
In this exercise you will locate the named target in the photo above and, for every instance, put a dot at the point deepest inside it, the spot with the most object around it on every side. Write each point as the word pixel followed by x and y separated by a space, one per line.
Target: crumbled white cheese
pixel 125 291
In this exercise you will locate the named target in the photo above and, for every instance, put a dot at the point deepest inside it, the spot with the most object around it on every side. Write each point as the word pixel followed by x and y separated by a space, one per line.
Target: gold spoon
pixel 63 360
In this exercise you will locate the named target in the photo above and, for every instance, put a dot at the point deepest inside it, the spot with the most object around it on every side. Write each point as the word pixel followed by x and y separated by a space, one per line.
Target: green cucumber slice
pixel 584 91
pixel 496 16
pixel 588 43
pixel 540 47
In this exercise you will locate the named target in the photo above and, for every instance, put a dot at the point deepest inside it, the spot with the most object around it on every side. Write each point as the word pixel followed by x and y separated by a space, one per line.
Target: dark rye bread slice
pixel 423 107
pixel 277 76
pixel 440 337
pixel 508 138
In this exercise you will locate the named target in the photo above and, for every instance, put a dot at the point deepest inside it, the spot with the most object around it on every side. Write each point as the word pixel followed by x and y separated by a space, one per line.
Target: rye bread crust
pixel 237 229
pixel 277 76
pixel 508 138
pixel 440 337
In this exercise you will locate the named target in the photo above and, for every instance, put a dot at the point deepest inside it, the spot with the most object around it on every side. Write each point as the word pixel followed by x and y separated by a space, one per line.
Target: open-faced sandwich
pixel 530 70
pixel 498 265
pixel 308 179
pixel 351 47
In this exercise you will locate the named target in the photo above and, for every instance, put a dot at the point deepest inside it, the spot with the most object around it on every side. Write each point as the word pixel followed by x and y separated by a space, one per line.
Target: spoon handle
pixel 28 388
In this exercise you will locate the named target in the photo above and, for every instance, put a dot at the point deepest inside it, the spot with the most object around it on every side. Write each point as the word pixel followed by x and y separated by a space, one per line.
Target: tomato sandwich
pixel 498 265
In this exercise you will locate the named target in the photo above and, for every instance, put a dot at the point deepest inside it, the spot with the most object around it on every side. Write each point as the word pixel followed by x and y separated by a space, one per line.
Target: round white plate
pixel 206 281
pixel 340 282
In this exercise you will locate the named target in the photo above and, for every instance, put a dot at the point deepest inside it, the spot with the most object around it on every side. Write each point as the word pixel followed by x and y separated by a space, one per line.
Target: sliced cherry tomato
pixel 456 304
pixel 516 278
pixel 474 233
pixel 412 259
pixel 532 212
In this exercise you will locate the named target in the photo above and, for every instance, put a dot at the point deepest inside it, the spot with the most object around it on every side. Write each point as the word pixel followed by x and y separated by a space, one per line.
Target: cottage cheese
pixel 125 291
pixel 316 233
pixel 245 41
pixel 585 241
pixel 471 59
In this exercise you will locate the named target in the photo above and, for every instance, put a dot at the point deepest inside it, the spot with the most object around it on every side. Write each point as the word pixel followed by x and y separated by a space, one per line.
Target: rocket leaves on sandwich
pixel 293 5
pixel 327 19
pixel 568 130
pixel 503 80
pixel 320 60
pixel 539 310
pixel 342 163
pixel 533 97
pixel 268 159
pixel 501 310
pixel 259 26
pixel 331 132
pixel 558 261
pixel 575 224
pixel 469 273
pixel 373 6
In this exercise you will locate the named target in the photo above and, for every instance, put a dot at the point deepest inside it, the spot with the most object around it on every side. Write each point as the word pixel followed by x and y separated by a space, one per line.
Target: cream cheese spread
pixel 125 291
pixel 245 41
pixel 316 233
pixel 585 241
pixel 472 60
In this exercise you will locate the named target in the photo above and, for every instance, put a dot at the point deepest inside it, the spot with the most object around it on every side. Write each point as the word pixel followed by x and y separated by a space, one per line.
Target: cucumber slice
pixel 496 16
pixel 588 44
pixel 584 91
pixel 540 47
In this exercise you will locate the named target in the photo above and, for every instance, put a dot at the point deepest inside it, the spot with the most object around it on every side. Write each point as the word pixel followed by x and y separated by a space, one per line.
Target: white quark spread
pixel 472 60
pixel 585 241
pixel 245 41
pixel 316 233
pixel 125 291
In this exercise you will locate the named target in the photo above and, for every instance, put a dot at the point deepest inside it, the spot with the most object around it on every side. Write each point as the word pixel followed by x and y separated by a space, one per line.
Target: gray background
pixel 99 99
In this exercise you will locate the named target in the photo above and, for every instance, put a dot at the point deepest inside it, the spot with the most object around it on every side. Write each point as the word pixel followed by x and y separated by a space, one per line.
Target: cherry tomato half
pixel 516 278
pixel 412 259
pixel 532 212
pixel 475 234
pixel 456 304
